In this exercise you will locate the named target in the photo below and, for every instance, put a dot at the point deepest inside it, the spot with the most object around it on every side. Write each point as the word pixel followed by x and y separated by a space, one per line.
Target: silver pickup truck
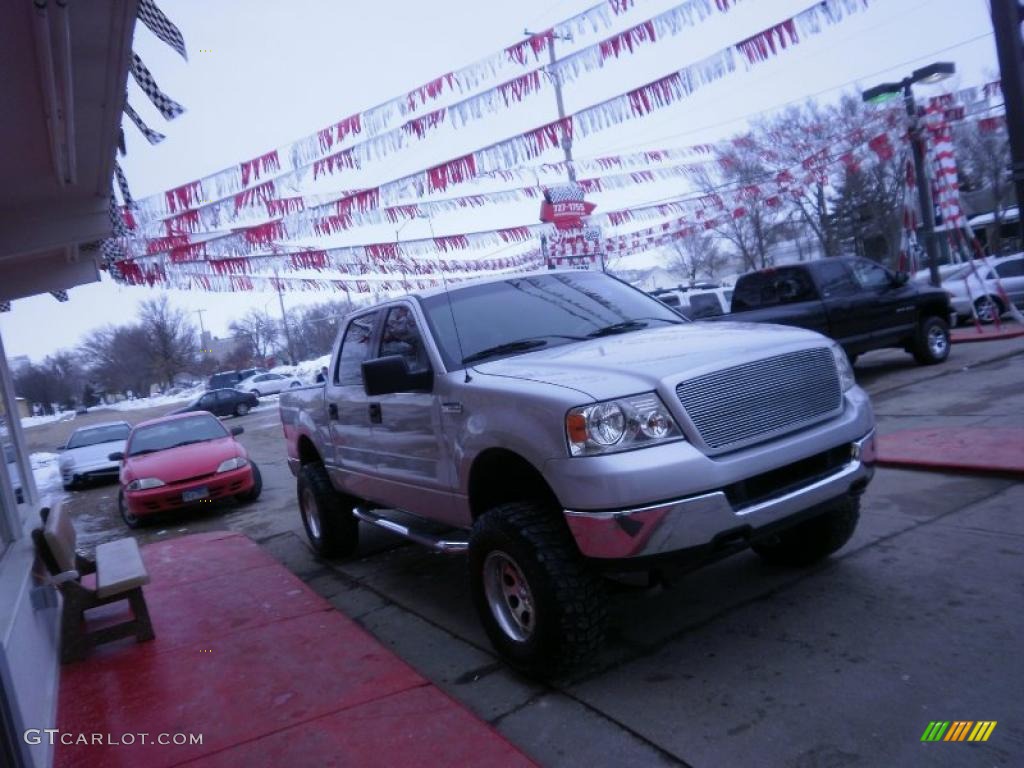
pixel 564 424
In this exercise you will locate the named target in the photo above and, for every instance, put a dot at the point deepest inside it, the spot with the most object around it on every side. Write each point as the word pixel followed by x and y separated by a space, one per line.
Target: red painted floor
pixel 970 333
pixel 965 449
pixel 266 671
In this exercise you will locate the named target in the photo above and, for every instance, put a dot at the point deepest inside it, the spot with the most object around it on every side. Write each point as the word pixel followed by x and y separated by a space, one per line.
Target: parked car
pixel 974 285
pixel 267 384
pixel 222 402
pixel 697 302
pixel 181 461
pixel 223 379
pixel 559 424
pixel 85 455
pixel 857 302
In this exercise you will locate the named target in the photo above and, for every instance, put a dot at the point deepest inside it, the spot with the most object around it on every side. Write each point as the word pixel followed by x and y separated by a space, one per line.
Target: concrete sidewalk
pixel 266 671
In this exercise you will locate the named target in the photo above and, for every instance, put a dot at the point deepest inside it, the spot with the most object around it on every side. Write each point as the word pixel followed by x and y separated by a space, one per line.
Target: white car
pixel 696 303
pixel 267 384
pixel 85 456
pixel 976 284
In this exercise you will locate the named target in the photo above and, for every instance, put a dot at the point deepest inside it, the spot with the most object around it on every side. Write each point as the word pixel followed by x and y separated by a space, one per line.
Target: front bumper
pixel 70 473
pixel 168 498
pixel 701 520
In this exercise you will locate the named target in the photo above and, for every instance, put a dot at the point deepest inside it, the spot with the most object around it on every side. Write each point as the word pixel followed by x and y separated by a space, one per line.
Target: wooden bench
pixel 120 575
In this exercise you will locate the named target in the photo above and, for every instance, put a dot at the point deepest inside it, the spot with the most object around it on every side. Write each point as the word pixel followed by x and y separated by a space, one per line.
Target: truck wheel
pixel 931 345
pixel 326 514
pixel 814 539
pixel 257 487
pixel 539 602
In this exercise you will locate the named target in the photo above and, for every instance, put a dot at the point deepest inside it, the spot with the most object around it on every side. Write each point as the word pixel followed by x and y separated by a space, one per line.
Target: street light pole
pixel 933 73
pixel 924 187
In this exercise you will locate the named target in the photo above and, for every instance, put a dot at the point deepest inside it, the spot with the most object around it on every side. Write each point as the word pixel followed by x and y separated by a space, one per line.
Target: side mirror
pixel 901 279
pixel 236 431
pixel 118 456
pixel 385 375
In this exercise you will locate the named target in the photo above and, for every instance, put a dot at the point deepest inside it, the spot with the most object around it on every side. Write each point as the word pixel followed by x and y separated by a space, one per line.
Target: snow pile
pixel 305 371
pixel 185 396
pixel 46 469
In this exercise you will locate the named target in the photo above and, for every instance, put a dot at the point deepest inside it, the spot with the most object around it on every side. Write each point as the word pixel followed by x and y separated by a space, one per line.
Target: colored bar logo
pixel 958 730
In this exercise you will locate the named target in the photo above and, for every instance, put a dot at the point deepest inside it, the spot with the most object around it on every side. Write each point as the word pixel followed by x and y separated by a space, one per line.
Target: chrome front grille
pixel 756 401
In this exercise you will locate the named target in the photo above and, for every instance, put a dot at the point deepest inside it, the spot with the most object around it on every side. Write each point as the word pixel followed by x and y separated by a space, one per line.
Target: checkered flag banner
pixel 60 296
pixel 161 26
pixel 116 221
pixel 564 193
pixel 168 107
pixel 153 137
pixel 122 184
pixel 5 306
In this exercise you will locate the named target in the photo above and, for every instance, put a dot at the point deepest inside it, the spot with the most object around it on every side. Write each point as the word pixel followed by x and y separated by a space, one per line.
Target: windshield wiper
pixel 500 349
pixel 145 450
pixel 629 325
pixel 190 442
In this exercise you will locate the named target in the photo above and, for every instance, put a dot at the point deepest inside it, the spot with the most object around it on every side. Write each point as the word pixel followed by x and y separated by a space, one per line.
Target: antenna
pixel 448 296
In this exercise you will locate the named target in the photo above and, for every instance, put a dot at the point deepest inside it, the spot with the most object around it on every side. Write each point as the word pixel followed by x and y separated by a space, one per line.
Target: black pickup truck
pixel 857 302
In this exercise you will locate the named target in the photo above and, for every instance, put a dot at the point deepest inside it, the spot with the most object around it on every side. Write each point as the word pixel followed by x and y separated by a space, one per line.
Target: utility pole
pixel 924 185
pixel 202 330
pixel 1007 16
pixel 557 81
pixel 284 322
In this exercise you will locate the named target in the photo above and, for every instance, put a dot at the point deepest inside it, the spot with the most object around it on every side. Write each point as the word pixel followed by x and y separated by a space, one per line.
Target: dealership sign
pixel 565 207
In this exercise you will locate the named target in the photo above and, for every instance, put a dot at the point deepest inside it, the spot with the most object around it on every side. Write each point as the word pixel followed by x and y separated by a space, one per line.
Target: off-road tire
pixel 338 529
pixel 812 540
pixel 931 342
pixel 129 519
pixel 567 596
pixel 257 487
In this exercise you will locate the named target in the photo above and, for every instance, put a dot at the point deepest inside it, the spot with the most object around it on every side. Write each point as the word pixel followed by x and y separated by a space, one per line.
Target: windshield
pixel 97 435
pixel 171 434
pixel 525 313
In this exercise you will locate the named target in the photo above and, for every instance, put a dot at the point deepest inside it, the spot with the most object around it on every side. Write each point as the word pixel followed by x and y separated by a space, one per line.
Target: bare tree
pixel 171 338
pixel 259 331
pixel 696 253
pixel 983 155
pixel 118 358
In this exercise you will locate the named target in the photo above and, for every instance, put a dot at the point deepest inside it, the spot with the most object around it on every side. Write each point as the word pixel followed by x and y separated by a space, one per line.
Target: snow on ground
pixel 46 468
pixel 186 395
pixel 34 421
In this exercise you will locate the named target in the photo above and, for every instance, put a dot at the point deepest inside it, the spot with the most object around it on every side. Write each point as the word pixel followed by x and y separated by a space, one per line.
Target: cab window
pixel 355 346
pixel 401 336
pixel 869 275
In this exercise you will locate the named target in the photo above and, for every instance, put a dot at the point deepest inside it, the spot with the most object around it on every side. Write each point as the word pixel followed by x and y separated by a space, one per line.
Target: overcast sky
pixel 265 72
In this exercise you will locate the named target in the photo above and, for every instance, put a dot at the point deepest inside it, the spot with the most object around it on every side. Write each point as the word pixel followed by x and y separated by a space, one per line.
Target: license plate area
pixel 195 494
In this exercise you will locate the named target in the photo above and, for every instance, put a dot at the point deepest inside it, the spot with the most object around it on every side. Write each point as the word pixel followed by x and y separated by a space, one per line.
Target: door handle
pixel 332 411
pixel 375 414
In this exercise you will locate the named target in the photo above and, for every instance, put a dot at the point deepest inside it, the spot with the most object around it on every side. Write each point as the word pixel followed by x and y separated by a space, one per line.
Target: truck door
pixel 348 414
pixel 887 310
pixel 840 294
pixel 407 433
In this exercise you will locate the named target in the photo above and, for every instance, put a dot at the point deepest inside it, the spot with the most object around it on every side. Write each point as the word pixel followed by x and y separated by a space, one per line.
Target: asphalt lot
pixel 918 618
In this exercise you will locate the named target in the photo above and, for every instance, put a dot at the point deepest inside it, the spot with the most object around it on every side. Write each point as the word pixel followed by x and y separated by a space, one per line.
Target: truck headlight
pixel 236 463
pixel 144 483
pixel 843 367
pixel 618 425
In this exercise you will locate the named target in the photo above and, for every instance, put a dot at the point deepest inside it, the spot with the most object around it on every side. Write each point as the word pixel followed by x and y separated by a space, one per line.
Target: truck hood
pixel 640 361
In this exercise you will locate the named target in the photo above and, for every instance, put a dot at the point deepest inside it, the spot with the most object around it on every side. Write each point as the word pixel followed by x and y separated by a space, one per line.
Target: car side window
pixel 224 395
pixel 1013 268
pixel 870 276
pixel 401 336
pixel 834 279
pixel 355 347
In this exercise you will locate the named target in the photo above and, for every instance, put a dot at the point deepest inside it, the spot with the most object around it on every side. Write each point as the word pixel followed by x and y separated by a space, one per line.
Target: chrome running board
pixel 436 543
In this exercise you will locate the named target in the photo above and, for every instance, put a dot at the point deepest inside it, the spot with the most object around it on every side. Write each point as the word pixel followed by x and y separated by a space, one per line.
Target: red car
pixel 182 461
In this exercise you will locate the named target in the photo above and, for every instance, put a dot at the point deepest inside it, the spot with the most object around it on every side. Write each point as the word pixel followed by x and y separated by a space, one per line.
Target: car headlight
pixel 619 425
pixel 236 463
pixel 843 367
pixel 143 483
